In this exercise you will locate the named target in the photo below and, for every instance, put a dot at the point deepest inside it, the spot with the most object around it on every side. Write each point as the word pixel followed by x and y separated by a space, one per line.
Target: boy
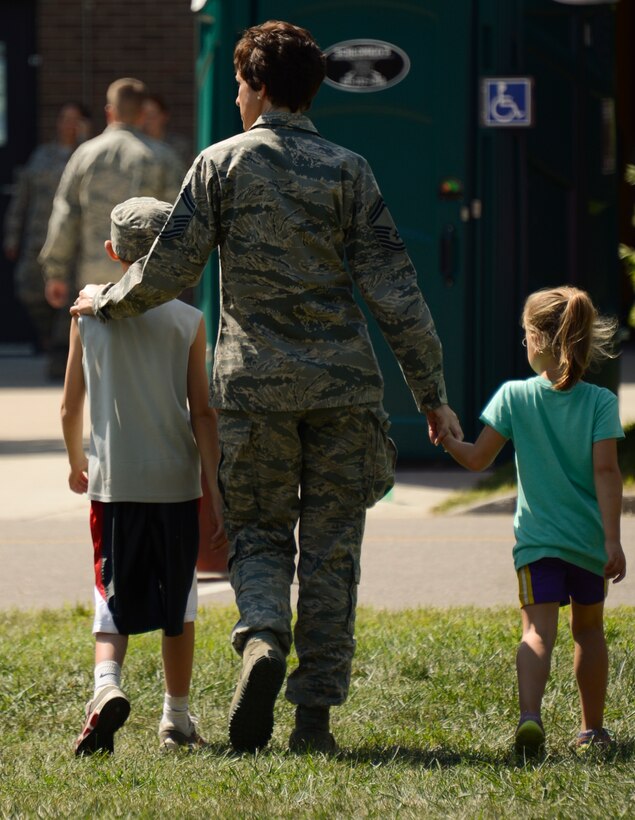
pixel 143 479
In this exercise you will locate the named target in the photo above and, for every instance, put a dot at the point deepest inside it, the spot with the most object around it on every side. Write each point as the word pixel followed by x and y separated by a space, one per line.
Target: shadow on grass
pixel 439 758
pixel 446 758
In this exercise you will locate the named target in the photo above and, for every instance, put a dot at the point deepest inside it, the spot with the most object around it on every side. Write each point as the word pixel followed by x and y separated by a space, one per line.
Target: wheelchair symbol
pixel 503 107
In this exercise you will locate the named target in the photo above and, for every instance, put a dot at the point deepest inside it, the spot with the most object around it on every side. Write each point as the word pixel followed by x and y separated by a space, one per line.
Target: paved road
pixel 411 557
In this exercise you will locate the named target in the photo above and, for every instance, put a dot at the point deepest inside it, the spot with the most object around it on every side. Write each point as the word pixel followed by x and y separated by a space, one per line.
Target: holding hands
pixel 443 421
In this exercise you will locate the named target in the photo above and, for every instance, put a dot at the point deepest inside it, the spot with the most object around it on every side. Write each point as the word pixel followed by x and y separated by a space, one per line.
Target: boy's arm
pixel 72 413
pixel 608 488
pixel 477 456
pixel 205 431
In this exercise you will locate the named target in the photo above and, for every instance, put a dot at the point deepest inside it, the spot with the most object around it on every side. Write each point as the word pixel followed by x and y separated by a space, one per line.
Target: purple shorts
pixel 552 580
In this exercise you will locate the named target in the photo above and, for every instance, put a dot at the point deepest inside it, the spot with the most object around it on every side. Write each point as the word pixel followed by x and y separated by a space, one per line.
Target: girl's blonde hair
pixel 564 322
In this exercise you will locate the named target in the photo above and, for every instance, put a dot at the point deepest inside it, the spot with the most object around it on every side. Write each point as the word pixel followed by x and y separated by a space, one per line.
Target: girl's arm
pixel 608 488
pixel 477 456
pixel 205 431
pixel 72 413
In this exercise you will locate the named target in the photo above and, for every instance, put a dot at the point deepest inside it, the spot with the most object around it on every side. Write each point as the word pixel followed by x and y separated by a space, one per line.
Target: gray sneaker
pixel 172 739
pixel 262 675
pixel 106 713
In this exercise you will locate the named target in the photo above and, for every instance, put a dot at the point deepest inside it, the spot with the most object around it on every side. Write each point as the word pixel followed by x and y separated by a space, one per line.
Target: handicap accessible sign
pixel 507 102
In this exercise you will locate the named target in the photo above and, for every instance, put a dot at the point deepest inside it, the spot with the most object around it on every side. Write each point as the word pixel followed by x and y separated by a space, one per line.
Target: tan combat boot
pixel 262 675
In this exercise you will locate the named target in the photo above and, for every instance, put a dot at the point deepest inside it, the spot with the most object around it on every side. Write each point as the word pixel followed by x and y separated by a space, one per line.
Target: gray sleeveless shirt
pixel 141 443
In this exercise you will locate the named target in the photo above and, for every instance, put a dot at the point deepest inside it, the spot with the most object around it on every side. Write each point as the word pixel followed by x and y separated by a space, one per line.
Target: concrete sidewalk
pixel 411 557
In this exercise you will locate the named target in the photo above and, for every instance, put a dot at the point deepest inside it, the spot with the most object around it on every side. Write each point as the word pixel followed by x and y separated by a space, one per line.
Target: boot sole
pixel 103 725
pixel 251 722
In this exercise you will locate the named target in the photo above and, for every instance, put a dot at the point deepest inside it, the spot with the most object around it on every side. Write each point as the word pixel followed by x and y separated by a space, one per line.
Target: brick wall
pixel 84 45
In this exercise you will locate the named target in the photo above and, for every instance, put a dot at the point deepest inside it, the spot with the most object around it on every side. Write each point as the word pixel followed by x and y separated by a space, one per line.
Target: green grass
pixel 502 480
pixel 426 731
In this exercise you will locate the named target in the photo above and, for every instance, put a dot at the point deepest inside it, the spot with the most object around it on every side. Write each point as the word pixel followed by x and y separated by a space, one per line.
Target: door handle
pixel 447 254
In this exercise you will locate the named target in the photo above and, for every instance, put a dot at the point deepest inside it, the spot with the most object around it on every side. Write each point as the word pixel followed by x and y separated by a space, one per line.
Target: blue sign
pixel 506 102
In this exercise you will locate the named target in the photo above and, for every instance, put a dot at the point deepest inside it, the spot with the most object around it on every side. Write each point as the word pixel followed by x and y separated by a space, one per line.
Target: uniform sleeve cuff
pixel 99 308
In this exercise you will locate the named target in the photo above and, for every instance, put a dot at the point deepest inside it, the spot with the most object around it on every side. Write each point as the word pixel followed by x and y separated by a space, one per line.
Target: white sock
pixel 107 672
pixel 176 710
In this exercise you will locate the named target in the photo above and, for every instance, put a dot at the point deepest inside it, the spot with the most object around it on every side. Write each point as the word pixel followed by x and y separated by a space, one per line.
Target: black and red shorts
pixel 145 558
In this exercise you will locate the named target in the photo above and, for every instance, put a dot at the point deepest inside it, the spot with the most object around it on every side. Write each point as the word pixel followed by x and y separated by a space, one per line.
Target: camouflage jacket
pixel 298 221
pixel 27 216
pixel 118 164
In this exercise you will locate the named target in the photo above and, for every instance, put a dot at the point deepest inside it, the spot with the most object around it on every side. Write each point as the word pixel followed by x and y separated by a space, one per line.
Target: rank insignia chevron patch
pixel 385 231
pixel 180 217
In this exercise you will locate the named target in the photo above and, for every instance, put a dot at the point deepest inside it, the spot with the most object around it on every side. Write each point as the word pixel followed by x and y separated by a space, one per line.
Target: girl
pixel 567 522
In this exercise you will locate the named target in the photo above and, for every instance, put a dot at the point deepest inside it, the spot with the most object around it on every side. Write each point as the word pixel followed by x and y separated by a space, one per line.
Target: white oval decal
pixel 361 66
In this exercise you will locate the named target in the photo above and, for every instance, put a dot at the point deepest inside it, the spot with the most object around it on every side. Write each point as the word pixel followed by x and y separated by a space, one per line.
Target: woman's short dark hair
pixel 284 58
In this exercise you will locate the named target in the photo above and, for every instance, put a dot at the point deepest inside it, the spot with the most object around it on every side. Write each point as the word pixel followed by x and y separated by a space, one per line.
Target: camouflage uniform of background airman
pixel 25 227
pixel 119 164
pixel 295 376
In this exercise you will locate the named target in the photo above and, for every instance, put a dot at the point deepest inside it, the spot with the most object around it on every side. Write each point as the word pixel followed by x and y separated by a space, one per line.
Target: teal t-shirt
pixel 553 432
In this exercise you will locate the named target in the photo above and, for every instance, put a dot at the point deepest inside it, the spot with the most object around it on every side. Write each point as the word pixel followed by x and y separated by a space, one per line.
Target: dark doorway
pixel 18 112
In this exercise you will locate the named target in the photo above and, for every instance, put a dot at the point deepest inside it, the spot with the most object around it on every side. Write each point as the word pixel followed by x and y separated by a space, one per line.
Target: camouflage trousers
pixel 318 470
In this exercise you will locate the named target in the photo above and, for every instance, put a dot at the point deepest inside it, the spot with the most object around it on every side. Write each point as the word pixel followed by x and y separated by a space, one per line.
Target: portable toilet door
pixel 549 188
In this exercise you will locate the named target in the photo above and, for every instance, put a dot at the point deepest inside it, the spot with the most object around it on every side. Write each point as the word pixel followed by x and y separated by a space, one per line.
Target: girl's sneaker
pixel 530 737
pixel 596 739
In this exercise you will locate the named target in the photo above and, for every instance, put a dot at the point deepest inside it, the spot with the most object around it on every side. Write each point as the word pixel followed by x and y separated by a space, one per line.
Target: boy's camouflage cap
pixel 135 224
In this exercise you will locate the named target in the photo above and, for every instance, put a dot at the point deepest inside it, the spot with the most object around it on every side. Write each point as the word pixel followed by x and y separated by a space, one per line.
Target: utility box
pixel 490 128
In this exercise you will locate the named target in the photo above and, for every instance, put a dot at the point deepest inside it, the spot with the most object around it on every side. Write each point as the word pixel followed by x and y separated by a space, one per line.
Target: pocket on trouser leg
pixel 382 458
